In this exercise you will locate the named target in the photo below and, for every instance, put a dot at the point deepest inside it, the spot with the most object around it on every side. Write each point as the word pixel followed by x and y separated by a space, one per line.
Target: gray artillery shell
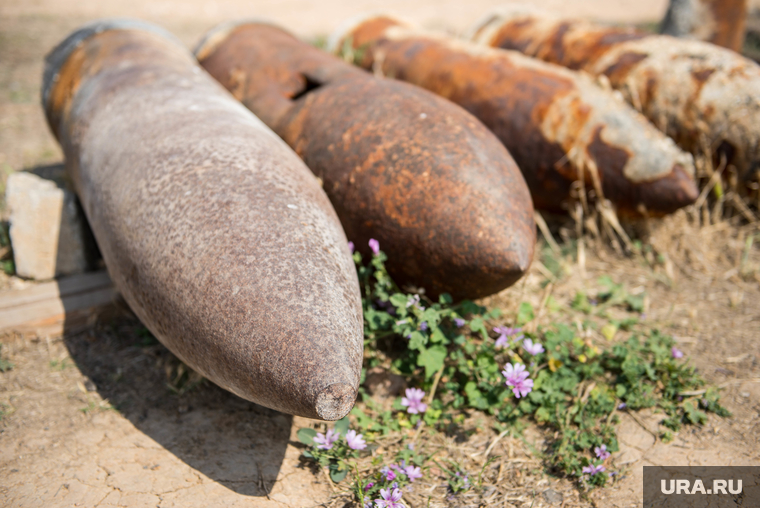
pixel 686 88
pixel 217 235
pixel 557 123
pixel 401 165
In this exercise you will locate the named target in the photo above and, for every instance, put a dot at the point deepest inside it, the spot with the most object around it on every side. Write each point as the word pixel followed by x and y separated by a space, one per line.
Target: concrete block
pixel 49 233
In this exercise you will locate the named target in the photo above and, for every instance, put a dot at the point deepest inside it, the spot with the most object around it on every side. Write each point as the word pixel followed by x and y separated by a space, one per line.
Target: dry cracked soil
pixel 104 417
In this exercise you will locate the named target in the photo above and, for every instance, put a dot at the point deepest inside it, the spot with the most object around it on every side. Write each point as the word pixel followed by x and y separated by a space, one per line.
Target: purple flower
pixel 414 300
pixel 351 247
pixel 410 446
pixel 413 401
pixel 374 245
pixel 505 333
pixel 389 499
pixel 412 472
pixel 622 405
pixel 409 471
pixel 389 475
pixel 423 326
pixel 677 353
pixel 326 442
pixel 517 378
pixel 369 486
pixel 533 348
pixel 459 322
pixel 592 469
pixel 601 452
pixel 355 441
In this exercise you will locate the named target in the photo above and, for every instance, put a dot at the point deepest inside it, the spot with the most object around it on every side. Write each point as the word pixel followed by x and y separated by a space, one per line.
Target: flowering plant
pixel 333 448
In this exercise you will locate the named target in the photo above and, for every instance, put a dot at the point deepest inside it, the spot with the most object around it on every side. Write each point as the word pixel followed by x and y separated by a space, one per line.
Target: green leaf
pixel 399 300
pixel 525 313
pixel 609 330
pixel 431 316
pixel 438 336
pixel 341 426
pixel 542 415
pixel 445 299
pixel 478 326
pixel 417 341
pixel 338 475
pixel 306 435
pixel 635 303
pixel 432 359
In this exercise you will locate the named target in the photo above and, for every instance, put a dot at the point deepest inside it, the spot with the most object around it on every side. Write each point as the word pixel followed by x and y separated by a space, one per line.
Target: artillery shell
pixel 691 90
pixel 417 173
pixel 720 22
pixel 558 124
pixel 213 230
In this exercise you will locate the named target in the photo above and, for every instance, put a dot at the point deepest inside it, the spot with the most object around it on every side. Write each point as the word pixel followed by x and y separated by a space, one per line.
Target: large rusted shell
pixel 691 90
pixel 217 235
pixel 558 124
pixel 720 22
pixel 419 174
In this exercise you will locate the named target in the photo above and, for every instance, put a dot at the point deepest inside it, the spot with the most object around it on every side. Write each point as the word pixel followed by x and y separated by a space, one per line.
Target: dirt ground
pixel 103 417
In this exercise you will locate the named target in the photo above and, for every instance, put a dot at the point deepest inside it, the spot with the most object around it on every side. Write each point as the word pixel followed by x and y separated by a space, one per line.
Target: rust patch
pixel 618 71
pixel 661 196
pixel 538 111
pixel 702 76
pixel 730 19
pixel 734 79
pixel 401 165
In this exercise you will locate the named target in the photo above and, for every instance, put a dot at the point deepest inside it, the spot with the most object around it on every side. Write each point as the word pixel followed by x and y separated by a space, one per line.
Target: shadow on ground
pixel 232 441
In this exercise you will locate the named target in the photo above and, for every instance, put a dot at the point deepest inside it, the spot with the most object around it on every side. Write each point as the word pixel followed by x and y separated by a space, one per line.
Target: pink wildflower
pixel 326 442
pixel 592 469
pixel 413 401
pixel 517 378
pixel 505 333
pixel 533 348
pixel 374 245
pixel 601 452
pixel 677 353
pixel 355 441
pixel 389 499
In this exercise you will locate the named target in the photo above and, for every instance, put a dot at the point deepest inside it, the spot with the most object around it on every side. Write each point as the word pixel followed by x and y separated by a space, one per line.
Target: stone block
pixel 49 233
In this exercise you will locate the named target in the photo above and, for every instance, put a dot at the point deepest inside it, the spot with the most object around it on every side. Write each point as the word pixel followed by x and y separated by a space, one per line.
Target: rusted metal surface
pixel 558 125
pixel 216 234
pixel 720 22
pixel 419 174
pixel 695 92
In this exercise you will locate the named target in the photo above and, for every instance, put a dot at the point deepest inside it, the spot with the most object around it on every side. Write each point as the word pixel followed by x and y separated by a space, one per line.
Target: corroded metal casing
pixel 689 89
pixel 419 174
pixel 558 124
pixel 721 22
pixel 217 235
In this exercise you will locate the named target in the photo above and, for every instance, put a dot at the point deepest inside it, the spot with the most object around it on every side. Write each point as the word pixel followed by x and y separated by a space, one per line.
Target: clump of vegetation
pixel 5 364
pixel 462 357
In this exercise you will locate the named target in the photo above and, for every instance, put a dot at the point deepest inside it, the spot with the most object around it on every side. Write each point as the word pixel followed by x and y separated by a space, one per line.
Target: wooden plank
pixel 55 289
pixel 55 305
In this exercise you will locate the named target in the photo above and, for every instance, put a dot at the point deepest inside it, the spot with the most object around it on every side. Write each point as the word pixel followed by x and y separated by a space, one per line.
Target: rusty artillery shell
pixel 417 173
pixel 216 234
pixel 720 22
pixel 558 124
pixel 693 91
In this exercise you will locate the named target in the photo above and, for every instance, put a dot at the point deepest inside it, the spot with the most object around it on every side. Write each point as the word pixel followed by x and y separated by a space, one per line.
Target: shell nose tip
pixel 335 401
